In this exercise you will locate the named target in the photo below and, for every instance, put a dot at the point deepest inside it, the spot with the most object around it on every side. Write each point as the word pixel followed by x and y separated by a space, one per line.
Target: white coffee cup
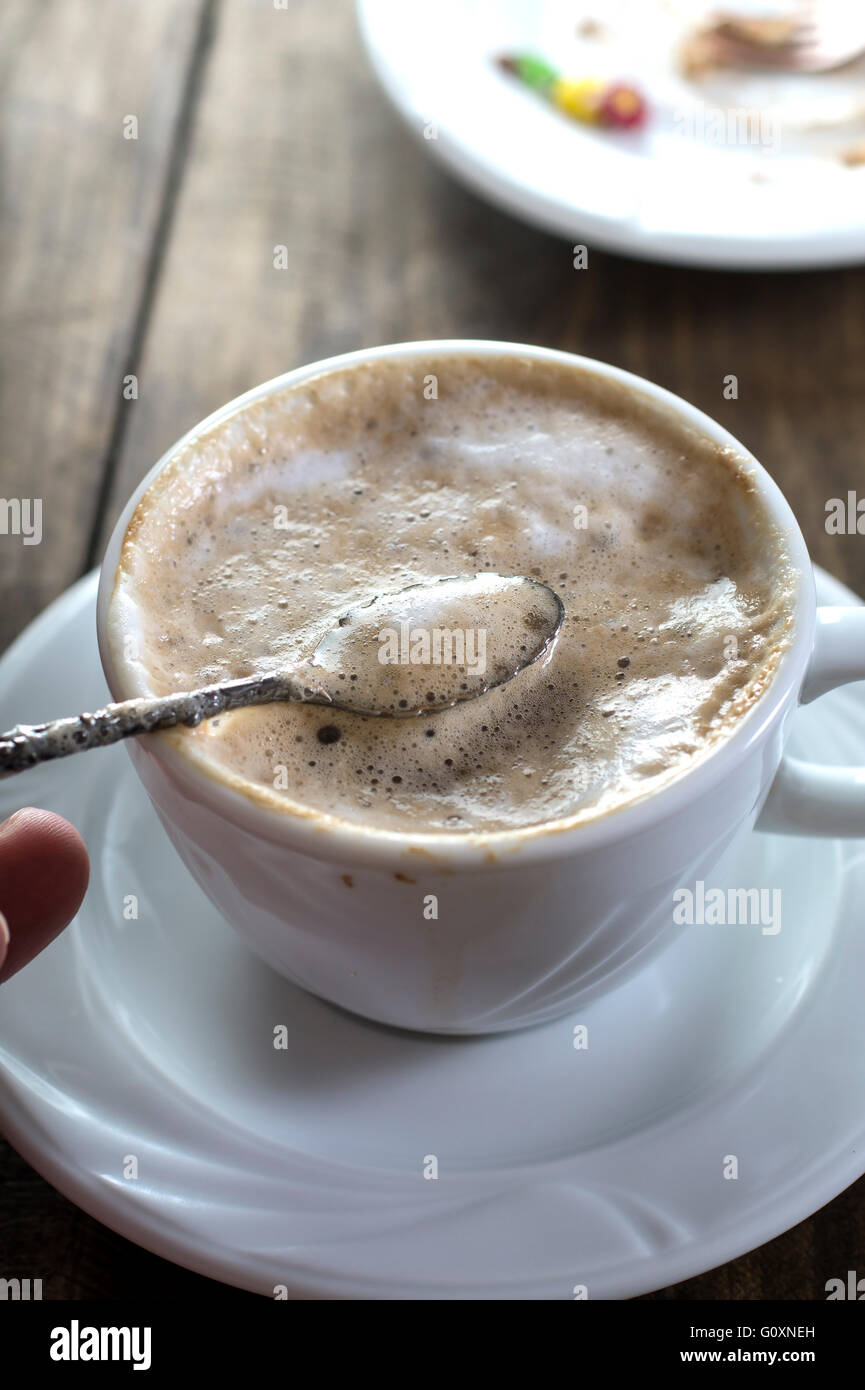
pixel 477 933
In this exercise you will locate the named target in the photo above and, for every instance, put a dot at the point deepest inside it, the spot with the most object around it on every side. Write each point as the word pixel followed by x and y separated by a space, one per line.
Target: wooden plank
pixel 82 204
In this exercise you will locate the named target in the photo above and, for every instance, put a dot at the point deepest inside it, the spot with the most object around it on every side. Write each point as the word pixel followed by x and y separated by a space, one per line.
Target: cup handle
pixel 810 798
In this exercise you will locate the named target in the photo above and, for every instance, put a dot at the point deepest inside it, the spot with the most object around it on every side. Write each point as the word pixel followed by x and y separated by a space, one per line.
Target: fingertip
pixel 39 833
pixel 44 872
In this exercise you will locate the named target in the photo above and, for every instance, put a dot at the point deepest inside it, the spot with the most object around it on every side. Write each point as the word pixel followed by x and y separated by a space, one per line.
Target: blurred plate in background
pixel 733 170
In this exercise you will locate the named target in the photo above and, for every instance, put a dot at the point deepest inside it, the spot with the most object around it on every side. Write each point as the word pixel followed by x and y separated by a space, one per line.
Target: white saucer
pixel 303 1167
pixel 776 195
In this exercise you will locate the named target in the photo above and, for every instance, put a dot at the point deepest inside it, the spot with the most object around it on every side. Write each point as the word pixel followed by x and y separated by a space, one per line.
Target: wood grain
pixel 290 143
pixel 81 207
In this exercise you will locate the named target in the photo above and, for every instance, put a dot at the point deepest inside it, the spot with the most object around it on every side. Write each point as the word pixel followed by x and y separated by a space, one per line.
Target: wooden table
pixel 139 292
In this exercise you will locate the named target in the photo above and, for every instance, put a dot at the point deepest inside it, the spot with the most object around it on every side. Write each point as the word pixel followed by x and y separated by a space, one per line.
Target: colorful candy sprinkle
pixel 614 105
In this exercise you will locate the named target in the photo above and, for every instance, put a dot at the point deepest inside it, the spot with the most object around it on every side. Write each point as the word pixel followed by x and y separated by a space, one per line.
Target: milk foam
pixel 258 535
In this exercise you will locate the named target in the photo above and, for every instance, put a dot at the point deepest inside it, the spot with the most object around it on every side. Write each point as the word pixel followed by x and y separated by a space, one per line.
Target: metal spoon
pixel 419 650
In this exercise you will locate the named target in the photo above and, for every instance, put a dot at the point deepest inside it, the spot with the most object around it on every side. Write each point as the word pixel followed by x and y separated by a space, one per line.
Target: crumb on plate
pixel 854 155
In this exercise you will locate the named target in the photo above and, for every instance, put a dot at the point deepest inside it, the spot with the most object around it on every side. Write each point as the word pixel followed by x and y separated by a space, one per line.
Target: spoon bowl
pixel 435 644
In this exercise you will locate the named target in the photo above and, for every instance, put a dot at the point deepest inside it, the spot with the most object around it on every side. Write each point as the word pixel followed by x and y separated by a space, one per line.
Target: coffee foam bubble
pixel 257 536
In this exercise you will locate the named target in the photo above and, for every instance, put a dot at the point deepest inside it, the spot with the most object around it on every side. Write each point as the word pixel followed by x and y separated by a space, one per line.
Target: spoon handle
pixel 29 744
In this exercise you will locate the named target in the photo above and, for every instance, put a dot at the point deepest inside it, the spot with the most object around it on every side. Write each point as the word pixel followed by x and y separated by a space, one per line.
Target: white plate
pixel 741 172
pixel 153 1039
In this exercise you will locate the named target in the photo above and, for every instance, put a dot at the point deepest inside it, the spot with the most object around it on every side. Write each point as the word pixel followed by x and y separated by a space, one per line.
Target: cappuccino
pixel 260 532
